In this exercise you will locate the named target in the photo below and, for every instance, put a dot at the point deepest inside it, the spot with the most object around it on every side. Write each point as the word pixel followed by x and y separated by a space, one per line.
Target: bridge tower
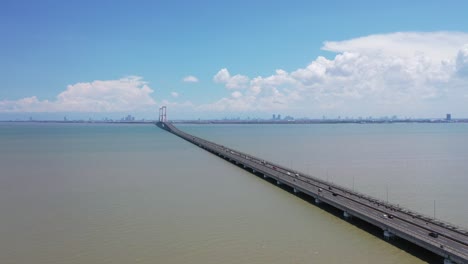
pixel 162 114
pixel 159 115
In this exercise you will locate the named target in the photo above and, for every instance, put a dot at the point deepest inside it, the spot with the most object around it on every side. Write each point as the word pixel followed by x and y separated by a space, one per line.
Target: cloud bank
pixel 386 73
pixel 125 94
pixel 405 72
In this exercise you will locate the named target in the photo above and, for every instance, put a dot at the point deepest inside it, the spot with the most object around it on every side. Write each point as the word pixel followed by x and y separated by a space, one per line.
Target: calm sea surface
pixel 77 193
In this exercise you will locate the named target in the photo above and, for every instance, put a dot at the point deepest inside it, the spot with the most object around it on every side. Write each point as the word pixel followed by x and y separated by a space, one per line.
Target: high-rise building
pixel 279 117
pixel 274 117
pixel 448 117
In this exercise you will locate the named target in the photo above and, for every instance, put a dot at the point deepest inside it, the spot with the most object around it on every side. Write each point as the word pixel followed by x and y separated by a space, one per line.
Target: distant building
pixel 129 118
pixel 274 117
pixel 279 117
pixel 448 117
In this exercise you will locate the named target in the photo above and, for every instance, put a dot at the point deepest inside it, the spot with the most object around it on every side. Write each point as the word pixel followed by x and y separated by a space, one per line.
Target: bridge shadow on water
pixel 412 249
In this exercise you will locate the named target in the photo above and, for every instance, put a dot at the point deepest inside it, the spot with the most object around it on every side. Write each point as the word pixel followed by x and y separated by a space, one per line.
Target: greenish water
pixel 136 194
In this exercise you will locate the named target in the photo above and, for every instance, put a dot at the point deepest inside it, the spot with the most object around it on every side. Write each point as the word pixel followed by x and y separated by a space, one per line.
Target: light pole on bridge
pixel 387 192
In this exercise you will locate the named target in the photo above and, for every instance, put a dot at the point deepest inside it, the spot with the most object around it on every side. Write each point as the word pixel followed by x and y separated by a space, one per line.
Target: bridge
pixel 444 239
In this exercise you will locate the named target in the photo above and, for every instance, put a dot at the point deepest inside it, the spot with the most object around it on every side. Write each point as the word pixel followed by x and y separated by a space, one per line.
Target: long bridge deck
pixel 445 240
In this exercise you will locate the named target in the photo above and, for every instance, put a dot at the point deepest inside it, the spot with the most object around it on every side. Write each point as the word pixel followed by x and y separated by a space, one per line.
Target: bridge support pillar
pixel 295 190
pixel 264 176
pixel 317 201
pixel 388 235
pixel 253 171
pixel 245 167
pixel 346 215
pixel 448 261
pixel 278 182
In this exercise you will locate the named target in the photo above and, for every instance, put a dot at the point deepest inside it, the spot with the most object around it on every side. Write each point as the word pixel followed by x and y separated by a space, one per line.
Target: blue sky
pixel 109 58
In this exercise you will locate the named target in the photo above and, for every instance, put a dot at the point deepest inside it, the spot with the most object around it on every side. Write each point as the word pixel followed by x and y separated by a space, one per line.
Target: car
pixel 390 216
pixel 297 174
pixel 288 173
pixel 385 215
pixel 334 194
pixel 433 234
pixel 320 189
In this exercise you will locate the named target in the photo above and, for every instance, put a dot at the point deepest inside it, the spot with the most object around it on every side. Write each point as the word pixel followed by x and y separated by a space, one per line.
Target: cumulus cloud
pixel 433 45
pixel 462 61
pixel 397 73
pixel 125 94
pixel 190 79
pixel 236 94
pixel 389 73
pixel 232 82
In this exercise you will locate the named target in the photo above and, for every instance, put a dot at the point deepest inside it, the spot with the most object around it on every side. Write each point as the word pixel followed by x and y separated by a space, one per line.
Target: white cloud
pixel 125 94
pixel 190 79
pixel 400 73
pixel 232 82
pixel 177 104
pixel 229 104
pixel 387 73
pixel 462 61
pixel 236 94
pixel 436 46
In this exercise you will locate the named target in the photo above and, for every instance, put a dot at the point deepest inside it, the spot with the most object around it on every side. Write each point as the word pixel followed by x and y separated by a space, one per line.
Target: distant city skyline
pixel 274 118
pixel 245 59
